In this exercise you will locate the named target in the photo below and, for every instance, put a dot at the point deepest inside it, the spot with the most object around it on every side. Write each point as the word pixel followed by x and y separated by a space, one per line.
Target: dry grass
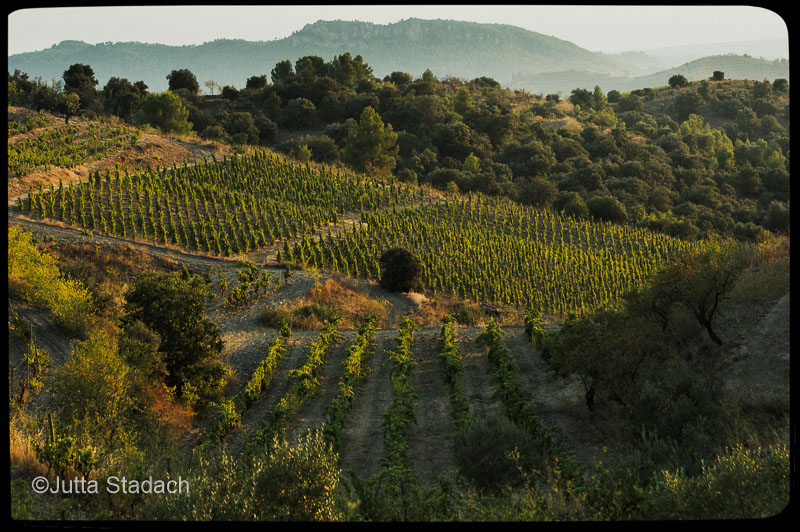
pixel 170 412
pixel 23 459
pixel 765 282
pixel 342 298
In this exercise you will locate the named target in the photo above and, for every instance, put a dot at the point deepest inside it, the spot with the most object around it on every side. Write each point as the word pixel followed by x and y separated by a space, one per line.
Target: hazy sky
pixel 596 28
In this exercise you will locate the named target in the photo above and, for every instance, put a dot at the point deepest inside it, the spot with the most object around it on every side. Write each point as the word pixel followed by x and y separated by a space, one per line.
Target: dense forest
pixel 689 159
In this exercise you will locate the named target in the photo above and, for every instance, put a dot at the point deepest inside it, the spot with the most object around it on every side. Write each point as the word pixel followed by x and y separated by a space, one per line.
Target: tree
pixel 93 391
pixel 122 97
pixel 678 80
pixel 230 93
pixel 700 282
pixel 172 305
pixel 538 191
pixel 581 97
pixel 400 78
pixel 256 82
pixel 780 85
pixel 282 72
pixel 372 146
pixel 80 79
pixel 607 208
pixel 462 101
pixel 299 113
pixel 183 79
pixel 165 111
pixel 717 75
pixel 68 103
pixel 401 270
pixel 212 86
pixel 607 351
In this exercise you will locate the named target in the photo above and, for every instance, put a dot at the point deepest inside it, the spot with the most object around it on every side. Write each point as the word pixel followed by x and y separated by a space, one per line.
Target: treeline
pixel 690 159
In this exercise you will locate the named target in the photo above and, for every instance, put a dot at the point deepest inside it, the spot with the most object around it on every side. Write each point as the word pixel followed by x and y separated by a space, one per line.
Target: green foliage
pixel 740 483
pixel 533 327
pixel 95 393
pixel 304 384
pixel 165 111
pixel 292 482
pixel 183 79
pixel 63 456
pixel 173 305
pixel 401 270
pixel 483 452
pixel 371 146
pixel 355 369
pixel 35 277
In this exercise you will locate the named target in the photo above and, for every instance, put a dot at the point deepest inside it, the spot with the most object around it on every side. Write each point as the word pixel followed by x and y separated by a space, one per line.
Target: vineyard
pixel 66 147
pixel 475 247
pixel 407 411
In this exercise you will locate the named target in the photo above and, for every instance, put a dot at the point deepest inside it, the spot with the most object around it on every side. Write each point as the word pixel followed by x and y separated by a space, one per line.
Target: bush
pixel 36 278
pixel 315 314
pixel 275 318
pixel 291 483
pixel 607 208
pixel 739 484
pixel 172 306
pixel 467 314
pixel 401 271
pixel 482 452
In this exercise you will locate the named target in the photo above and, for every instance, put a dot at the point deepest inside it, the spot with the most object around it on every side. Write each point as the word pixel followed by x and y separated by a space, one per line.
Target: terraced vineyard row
pixel 474 247
pixel 66 147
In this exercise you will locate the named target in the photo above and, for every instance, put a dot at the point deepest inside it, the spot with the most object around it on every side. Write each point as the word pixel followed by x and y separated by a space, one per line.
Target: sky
pixel 596 28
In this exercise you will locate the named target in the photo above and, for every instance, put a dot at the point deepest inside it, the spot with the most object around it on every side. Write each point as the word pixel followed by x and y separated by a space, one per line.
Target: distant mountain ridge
pixel 466 50
pixel 447 47
pixel 733 66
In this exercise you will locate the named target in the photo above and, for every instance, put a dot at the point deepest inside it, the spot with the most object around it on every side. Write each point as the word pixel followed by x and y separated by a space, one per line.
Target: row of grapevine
pixel 229 411
pixel 396 485
pixel 450 356
pixel 517 401
pixel 253 282
pixel 355 369
pixel 475 247
pixel 28 123
pixel 304 384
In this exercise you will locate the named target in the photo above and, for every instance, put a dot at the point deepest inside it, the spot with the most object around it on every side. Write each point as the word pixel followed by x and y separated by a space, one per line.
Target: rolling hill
pixel 734 67
pixel 462 49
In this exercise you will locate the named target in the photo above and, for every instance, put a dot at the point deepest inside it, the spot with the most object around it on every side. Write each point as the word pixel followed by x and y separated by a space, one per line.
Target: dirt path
pixel 476 383
pixel 47 334
pixel 762 362
pixel 430 446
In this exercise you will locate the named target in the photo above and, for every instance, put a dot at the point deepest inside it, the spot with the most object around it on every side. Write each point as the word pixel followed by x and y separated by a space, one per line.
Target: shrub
pixel 296 482
pixel 738 484
pixel 315 314
pixel 35 277
pixel 401 271
pixel 482 453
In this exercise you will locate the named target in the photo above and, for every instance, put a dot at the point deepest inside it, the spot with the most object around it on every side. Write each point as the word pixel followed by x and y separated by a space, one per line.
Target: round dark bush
pixel 401 270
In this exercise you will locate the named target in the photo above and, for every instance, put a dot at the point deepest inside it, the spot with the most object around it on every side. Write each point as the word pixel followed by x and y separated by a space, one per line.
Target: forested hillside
pixel 689 159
